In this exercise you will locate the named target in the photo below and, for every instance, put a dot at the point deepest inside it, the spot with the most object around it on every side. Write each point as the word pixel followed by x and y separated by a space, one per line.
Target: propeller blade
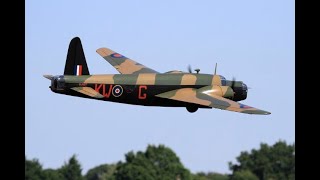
pixel 233 82
pixel 189 69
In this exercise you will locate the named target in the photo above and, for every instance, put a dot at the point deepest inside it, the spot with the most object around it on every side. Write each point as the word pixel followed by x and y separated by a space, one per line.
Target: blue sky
pixel 251 40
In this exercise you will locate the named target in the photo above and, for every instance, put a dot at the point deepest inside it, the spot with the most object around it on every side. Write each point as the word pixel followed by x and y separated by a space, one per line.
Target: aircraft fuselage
pixel 138 89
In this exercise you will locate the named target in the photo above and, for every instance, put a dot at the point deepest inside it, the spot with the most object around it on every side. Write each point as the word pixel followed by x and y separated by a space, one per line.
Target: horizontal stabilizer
pixel 50 77
pixel 88 91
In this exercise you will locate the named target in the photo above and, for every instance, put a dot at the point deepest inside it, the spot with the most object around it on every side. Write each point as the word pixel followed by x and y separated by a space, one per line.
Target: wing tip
pixel 104 51
pixel 257 112
pixel 262 112
pixel 266 113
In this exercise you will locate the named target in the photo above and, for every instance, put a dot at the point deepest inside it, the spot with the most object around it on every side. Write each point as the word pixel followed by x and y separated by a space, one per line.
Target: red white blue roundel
pixel 117 55
pixel 117 90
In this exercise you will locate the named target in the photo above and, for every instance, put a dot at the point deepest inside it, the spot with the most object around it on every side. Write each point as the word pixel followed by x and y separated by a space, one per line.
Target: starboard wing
pixel 194 96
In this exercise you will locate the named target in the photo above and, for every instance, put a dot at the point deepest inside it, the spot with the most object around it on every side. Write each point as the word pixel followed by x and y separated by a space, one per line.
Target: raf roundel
pixel 117 90
pixel 117 55
pixel 243 106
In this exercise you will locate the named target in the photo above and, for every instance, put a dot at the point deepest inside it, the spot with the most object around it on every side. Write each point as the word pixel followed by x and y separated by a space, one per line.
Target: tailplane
pixel 76 61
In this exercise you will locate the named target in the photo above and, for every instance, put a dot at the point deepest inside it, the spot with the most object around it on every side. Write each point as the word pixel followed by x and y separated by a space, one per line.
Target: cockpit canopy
pixel 223 80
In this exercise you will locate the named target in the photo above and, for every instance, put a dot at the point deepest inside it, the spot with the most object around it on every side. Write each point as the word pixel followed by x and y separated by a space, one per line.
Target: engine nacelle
pixel 223 91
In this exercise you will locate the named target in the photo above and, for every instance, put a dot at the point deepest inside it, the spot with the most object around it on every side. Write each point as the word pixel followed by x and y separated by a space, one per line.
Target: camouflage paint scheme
pixel 140 85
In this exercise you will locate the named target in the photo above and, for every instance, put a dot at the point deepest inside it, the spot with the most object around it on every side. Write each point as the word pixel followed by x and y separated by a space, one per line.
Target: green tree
pixel 102 172
pixel 71 170
pixel 244 175
pixel 269 162
pixel 52 174
pixel 210 176
pixel 157 163
pixel 32 169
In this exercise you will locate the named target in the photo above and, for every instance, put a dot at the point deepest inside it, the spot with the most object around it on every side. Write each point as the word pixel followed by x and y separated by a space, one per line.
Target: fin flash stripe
pixel 78 70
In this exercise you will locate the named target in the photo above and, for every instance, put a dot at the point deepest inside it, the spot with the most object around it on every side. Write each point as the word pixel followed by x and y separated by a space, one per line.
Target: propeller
pixel 233 82
pixel 189 68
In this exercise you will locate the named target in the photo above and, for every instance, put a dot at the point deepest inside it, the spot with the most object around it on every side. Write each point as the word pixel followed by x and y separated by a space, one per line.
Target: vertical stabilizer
pixel 76 61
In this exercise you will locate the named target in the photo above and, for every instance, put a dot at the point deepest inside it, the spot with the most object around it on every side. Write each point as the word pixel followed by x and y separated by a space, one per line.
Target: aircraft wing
pixel 194 96
pixel 123 64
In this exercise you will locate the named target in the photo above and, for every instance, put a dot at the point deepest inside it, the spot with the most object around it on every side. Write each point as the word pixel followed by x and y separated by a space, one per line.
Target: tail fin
pixel 76 61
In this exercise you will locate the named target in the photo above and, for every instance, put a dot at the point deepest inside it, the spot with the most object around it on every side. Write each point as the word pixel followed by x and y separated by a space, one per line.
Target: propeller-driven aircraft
pixel 139 85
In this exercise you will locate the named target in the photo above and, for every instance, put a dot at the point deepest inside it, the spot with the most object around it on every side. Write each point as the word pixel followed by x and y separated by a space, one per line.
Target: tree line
pixel 276 162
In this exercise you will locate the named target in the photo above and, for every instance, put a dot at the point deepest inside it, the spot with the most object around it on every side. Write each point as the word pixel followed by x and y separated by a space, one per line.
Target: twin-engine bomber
pixel 140 85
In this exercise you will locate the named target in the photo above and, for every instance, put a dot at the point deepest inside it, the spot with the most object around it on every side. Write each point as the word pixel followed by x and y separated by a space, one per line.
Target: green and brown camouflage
pixel 140 85
pixel 123 64
pixel 146 79
pixel 210 98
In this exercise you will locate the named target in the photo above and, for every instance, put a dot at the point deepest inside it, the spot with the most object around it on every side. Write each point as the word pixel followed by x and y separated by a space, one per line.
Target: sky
pixel 251 40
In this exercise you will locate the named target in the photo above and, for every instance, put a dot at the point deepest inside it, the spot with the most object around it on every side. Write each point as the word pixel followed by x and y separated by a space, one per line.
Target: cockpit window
pixel 223 80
